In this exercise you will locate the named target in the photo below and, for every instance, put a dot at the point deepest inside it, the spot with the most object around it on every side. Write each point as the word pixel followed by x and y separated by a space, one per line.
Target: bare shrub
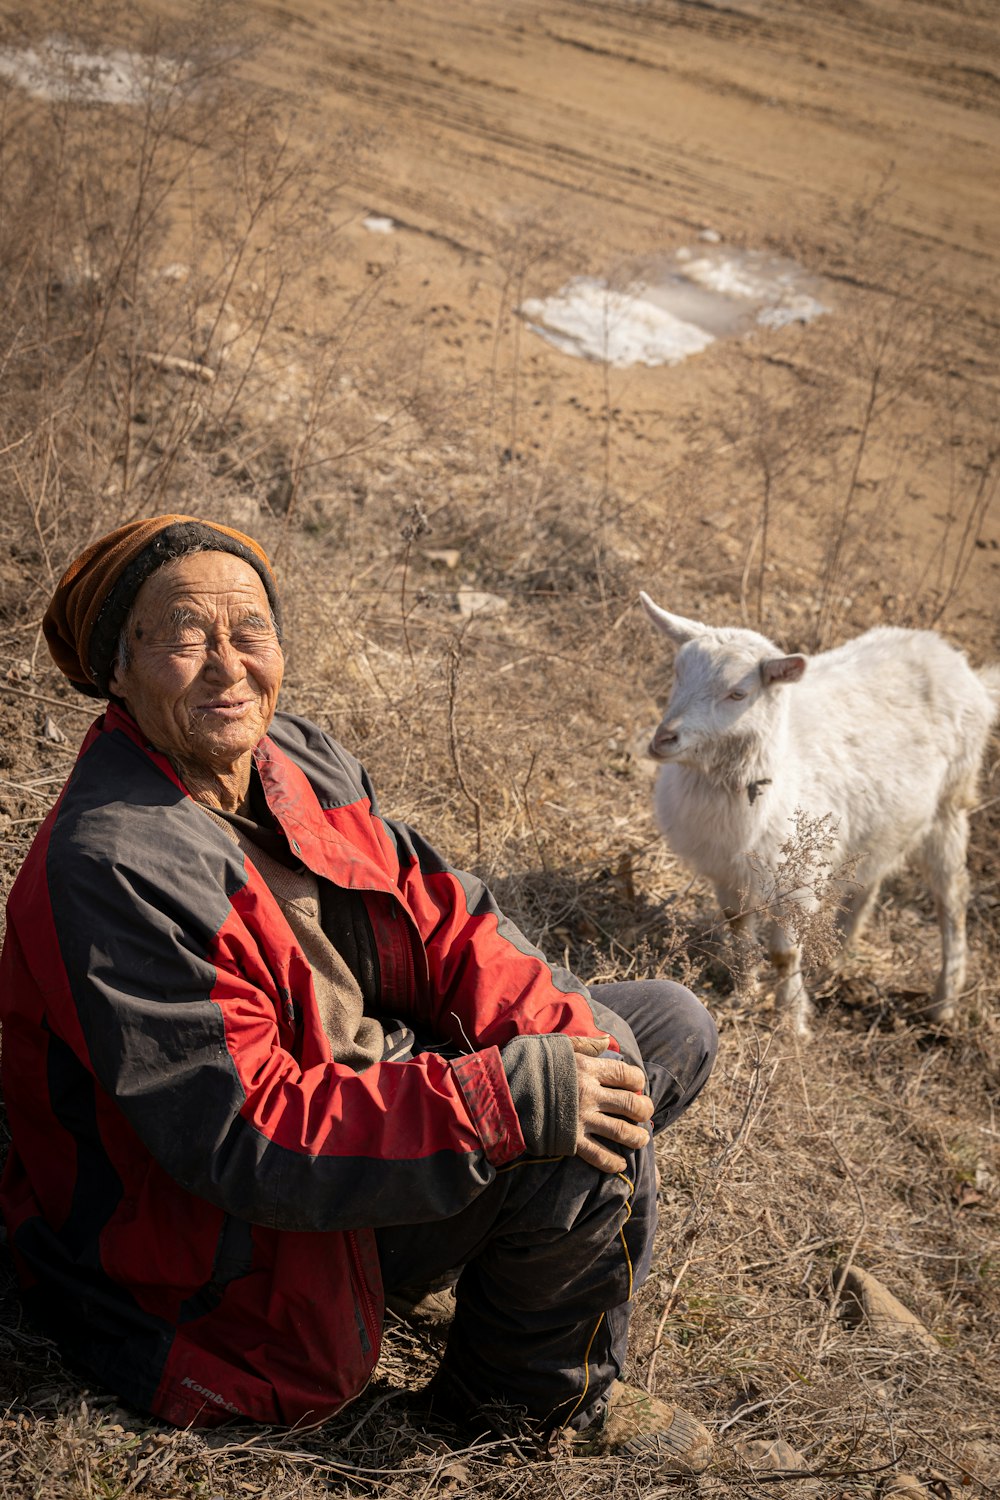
pixel 150 255
pixel 808 886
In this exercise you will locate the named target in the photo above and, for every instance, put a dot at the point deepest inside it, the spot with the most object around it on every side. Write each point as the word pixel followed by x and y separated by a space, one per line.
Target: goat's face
pixel 723 705
pixel 717 695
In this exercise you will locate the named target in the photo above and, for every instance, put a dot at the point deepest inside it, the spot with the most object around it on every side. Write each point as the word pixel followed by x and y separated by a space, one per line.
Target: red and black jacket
pixel 193 1179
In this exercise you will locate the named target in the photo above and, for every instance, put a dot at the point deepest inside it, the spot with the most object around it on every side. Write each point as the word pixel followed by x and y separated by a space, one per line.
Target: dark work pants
pixel 553 1250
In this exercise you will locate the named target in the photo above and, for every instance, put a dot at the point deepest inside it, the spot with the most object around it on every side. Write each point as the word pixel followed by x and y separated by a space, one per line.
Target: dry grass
pixel 510 738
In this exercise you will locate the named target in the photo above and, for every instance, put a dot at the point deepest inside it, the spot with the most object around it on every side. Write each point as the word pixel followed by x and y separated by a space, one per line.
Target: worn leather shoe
pixel 642 1426
pixel 432 1312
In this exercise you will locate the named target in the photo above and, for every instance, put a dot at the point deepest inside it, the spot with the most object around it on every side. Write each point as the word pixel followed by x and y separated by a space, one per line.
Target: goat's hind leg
pixel 943 856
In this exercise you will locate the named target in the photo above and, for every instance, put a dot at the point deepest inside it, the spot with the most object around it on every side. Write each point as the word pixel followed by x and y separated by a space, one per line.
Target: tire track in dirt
pixel 662 112
pixel 910 39
pixel 615 131
pixel 541 154
pixel 557 146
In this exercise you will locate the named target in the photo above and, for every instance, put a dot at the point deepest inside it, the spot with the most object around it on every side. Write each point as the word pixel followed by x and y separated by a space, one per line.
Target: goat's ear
pixel 675 626
pixel 782 669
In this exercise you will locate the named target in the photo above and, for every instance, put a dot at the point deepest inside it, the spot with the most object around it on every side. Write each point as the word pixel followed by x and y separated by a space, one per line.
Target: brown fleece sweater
pixel 356 1040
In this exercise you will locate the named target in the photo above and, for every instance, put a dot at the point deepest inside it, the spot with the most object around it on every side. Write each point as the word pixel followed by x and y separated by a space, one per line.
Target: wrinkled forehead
pixel 205 584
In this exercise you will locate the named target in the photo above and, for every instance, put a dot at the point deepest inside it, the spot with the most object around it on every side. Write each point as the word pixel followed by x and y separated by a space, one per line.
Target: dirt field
pixel 365 398
pixel 542 142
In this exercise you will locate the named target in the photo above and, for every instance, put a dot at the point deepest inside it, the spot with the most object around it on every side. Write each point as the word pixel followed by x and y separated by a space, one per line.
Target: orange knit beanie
pixel 92 600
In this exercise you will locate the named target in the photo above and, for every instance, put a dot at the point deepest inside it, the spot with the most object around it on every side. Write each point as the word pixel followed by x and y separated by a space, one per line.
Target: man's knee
pixel 667 1020
pixel 692 1022
pixel 675 1035
pixel 688 1041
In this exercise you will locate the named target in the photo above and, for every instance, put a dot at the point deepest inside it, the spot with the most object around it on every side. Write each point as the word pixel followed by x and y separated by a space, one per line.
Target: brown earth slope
pixel 522 143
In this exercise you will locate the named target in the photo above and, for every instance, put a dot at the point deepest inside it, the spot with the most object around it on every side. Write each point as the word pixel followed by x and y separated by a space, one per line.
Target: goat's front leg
pixel 791 997
pixel 744 950
pixel 853 912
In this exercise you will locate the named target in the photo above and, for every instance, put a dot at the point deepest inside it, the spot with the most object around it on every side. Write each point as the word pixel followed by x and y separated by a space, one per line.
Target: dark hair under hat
pixel 88 610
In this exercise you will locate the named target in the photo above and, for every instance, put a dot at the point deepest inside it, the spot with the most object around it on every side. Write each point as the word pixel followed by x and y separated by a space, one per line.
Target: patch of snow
pixel 590 319
pixel 56 69
pixel 680 307
pixel 729 276
pixel 800 308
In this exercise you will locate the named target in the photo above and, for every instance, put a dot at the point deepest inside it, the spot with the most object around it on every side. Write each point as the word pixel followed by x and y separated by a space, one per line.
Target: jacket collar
pixel 292 800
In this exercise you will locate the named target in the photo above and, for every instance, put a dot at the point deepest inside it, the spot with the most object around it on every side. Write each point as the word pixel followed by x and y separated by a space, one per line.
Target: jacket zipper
pixel 373 1327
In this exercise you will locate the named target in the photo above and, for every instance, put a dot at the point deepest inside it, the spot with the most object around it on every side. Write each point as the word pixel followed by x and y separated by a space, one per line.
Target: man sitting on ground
pixel 267 1057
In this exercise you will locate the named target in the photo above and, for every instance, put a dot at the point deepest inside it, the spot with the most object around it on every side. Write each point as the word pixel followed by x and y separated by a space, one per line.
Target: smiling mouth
pixel 227 710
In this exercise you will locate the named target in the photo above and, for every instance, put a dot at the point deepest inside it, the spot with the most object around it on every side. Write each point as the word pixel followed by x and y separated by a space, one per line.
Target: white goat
pixel 883 736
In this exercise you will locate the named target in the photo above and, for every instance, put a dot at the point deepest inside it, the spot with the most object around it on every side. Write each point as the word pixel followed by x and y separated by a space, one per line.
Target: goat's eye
pixel 735 695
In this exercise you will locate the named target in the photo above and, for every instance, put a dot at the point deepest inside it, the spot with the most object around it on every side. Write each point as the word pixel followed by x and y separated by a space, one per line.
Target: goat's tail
pixel 989 676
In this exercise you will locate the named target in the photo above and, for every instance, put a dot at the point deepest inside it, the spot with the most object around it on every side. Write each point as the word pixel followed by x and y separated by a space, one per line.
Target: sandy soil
pixel 517 144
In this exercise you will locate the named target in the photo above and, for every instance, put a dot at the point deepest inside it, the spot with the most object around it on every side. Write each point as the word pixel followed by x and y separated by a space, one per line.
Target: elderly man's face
pixel 206 663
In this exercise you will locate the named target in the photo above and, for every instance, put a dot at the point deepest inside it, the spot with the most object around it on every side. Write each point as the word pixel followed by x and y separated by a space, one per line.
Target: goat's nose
pixel 665 738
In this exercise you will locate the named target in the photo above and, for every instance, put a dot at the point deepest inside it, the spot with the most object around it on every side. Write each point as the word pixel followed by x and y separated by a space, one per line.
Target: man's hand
pixel 612 1107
